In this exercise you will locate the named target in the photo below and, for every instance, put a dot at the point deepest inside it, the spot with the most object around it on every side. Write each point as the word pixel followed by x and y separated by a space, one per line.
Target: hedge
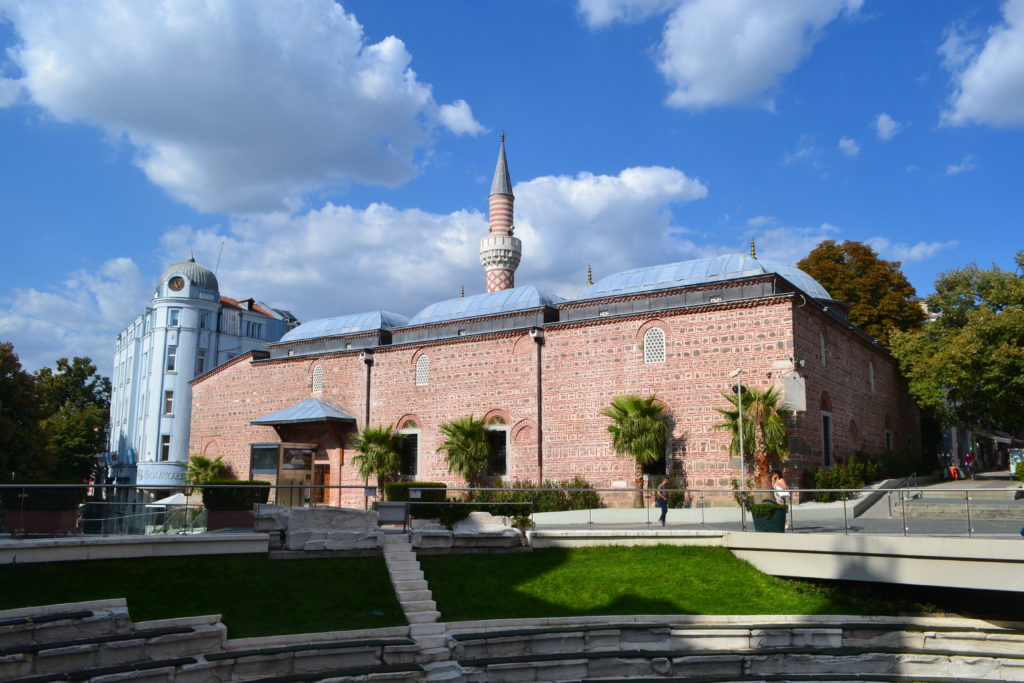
pixel 236 495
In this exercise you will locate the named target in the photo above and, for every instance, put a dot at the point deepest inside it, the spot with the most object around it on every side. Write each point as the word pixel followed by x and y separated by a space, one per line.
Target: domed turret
pixel 177 277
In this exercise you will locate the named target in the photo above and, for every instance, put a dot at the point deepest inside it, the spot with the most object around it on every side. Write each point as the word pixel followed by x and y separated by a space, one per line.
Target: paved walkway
pixel 989 488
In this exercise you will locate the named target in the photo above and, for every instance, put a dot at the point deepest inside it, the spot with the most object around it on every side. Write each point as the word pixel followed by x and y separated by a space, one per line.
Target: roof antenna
pixel 219 252
pixel 753 250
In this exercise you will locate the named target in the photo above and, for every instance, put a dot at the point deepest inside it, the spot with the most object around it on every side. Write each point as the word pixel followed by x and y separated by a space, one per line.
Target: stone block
pixel 411 596
pixel 69 658
pixel 428 642
pixel 402 654
pixel 602 640
pixel 487 540
pixel 925 666
pixel 202 639
pixel 618 667
pixel 428 629
pixel 320 660
pixel 331 519
pixel 699 640
pixel 403 566
pixel 351 540
pixel 407 576
pixel 865 638
pixel 422 617
pixel 204 672
pixel 419 606
pixel 14 666
pixel 161 675
pixel 261 666
pixel 426 525
pixel 971 643
pixel 564 670
pixel 409 585
pixel 122 652
pixel 512 673
pixel 481 522
pixel 719 666
pixel 434 654
pixel 270 518
pixel 974 667
pixel 555 643
pixel 495 647
pixel 432 539
pixel 645 638
pixel 399 555
pixel 817 637
pixel 661 666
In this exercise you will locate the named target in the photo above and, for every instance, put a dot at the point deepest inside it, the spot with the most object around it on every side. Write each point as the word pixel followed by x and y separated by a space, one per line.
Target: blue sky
pixel 334 158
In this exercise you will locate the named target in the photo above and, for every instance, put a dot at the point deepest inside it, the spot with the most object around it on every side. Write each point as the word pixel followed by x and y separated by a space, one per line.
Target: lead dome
pixel 197 274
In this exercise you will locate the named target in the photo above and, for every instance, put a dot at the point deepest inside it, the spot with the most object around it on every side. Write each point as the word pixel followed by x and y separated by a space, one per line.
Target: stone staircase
pixel 420 610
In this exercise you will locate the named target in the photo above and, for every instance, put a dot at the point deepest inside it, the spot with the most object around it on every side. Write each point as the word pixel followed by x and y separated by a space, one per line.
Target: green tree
pixel 24 451
pixel 378 454
pixel 764 429
pixel 77 402
pixel 968 365
pixel 880 298
pixel 639 430
pixel 465 448
pixel 203 470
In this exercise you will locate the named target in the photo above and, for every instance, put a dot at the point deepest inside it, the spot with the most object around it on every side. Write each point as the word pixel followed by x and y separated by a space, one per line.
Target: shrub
pixel 236 495
pixel 852 474
pixel 434 492
pixel 43 498
pixel 550 496
pixel 1018 471
pixel 766 509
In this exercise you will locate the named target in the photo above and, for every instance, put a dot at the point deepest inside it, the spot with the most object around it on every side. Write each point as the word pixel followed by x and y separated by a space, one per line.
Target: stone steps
pixel 420 610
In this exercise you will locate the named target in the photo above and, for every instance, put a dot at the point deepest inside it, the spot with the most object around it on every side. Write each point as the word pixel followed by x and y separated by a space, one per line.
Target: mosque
pixel 540 369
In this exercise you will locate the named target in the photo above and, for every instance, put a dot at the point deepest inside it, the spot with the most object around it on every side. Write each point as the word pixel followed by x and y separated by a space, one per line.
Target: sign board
pixel 160 474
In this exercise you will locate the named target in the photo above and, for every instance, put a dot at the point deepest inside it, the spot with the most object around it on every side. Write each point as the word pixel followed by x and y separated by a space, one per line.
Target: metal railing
pixel 910 509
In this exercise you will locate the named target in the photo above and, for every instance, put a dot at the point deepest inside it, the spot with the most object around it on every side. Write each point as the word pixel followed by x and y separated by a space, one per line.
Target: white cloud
pixel 966 164
pixel 787 243
pixel 758 221
pixel 716 53
pixel 908 253
pixel 232 106
pixel 10 90
pixel 988 79
pixel 849 146
pixel 805 152
pixel 601 13
pixel 78 318
pixel 887 127
pixel 340 259
pixel 458 118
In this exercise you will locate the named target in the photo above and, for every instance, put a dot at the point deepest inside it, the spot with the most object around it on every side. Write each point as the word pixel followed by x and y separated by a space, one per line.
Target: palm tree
pixel 764 427
pixel 378 453
pixel 640 431
pixel 202 470
pixel 465 448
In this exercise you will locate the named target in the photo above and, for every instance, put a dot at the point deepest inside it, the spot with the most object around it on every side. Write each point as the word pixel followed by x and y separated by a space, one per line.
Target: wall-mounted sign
pixel 161 474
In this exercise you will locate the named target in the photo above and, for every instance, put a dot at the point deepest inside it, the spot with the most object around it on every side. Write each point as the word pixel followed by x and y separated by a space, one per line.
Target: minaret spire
pixel 590 276
pixel 753 250
pixel 500 252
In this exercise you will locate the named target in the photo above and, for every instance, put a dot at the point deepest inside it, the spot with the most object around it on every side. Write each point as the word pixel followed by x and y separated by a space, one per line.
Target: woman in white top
pixel 781 488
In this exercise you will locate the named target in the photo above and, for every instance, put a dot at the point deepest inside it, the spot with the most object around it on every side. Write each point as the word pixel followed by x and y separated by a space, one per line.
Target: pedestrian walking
pixel 661 499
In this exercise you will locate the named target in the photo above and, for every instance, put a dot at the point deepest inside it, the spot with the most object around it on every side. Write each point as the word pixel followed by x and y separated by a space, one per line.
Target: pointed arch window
pixel 654 345
pixel 497 446
pixel 423 371
pixel 318 379
pixel 409 450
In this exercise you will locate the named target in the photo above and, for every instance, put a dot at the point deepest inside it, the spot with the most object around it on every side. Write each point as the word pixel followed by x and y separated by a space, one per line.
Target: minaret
pixel 500 252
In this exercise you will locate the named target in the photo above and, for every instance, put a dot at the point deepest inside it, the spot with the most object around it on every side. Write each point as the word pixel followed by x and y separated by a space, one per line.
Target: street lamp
pixel 738 388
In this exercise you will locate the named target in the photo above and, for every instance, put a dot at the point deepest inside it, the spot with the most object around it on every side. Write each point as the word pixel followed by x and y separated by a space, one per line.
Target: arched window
pixel 318 379
pixel 497 446
pixel 423 371
pixel 871 374
pixel 409 450
pixel 654 345
pixel 822 353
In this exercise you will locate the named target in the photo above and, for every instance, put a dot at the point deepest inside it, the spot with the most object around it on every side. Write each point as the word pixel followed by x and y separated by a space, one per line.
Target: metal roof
pixel 346 324
pixel 310 410
pixel 197 274
pixel 501 184
pixel 491 303
pixel 700 271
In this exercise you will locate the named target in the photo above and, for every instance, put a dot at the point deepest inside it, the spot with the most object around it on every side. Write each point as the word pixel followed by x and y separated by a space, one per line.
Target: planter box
pixel 229 519
pixel 775 522
pixel 42 521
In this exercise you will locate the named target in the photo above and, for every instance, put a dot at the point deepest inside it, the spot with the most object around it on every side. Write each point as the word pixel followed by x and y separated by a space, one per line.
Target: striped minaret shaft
pixel 500 251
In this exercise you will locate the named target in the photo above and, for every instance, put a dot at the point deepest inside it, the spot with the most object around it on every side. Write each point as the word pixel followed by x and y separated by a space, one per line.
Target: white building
pixel 187 330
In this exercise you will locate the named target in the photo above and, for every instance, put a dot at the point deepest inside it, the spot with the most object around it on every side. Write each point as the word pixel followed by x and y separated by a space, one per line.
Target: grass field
pixel 255 595
pixel 258 596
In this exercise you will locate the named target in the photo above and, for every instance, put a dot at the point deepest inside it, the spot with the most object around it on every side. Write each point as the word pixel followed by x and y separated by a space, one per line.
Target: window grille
pixel 318 379
pixel 654 345
pixel 423 371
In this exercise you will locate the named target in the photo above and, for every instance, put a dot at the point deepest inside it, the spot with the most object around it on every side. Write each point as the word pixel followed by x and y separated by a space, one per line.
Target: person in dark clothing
pixel 661 499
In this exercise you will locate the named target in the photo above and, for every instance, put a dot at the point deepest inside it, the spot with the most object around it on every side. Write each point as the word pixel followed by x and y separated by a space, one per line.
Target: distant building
pixel 540 369
pixel 187 329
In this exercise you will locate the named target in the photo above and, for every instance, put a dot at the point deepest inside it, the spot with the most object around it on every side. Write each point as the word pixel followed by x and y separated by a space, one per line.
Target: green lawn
pixel 258 596
pixel 255 595
pixel 632 580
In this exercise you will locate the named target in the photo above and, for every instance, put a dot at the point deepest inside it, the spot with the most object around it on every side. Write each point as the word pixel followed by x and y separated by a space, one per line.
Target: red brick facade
pixel 550 389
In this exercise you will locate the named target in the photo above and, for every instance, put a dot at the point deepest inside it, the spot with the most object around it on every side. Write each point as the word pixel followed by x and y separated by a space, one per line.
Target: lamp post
pixel 738 388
